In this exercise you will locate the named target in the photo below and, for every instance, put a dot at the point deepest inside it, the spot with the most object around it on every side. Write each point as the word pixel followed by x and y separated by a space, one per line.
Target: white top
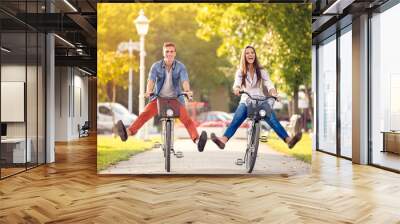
pixel 251 84
pixel 167 89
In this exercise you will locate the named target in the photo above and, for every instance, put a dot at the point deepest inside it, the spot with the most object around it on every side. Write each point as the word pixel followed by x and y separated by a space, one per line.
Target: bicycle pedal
pixel 239 162
pixel 264 139
pixel 179 154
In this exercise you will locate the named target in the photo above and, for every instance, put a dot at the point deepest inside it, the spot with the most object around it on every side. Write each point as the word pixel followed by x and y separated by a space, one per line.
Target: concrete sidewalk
pixel 211 161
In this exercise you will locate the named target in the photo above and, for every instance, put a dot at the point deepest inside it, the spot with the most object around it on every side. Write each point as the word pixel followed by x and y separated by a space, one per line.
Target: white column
pixel 50 98
pixel 360 90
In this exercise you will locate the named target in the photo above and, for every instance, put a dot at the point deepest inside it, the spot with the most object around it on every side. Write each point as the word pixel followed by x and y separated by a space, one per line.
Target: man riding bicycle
pixel 165 77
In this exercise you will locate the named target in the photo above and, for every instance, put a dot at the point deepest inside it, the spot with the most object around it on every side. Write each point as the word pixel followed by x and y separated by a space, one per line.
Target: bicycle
pixel 256 111
pixel 168 110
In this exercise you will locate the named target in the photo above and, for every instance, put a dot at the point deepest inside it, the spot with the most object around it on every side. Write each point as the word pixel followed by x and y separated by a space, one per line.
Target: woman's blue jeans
pixel 241 115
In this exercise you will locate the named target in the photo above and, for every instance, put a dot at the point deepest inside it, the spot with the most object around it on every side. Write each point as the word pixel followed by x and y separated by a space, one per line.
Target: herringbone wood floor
pixel 70 191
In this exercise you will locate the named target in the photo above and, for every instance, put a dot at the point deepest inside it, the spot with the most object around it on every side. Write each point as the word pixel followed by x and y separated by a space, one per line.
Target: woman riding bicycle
pixel 251 77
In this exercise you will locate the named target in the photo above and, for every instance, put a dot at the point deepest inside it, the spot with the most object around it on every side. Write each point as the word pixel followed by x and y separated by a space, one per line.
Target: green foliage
pixel 209 39
pixel 112 69
pixel 111 150
pixel 301 151
pixel 281 34
pixel 168 22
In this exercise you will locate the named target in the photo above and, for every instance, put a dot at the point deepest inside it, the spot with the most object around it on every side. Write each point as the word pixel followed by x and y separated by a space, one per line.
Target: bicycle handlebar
pixel 181 94
pixel 265 97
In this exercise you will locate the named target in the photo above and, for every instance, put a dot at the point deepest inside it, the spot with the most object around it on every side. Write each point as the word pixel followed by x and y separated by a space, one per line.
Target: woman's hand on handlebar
pixel 236 91
pixel 274 93
pixel 276 97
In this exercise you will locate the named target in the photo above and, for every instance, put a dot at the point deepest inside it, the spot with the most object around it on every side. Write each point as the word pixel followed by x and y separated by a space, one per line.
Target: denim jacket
pixel 179 74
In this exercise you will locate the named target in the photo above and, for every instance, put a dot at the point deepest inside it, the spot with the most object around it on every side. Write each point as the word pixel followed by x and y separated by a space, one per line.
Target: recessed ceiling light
pixel 64 40
pixel 84 71
pixel 5 49
pixel 70 5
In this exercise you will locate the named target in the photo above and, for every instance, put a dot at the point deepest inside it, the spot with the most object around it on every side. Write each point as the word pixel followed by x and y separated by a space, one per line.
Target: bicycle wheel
pixel 251 151
pixel 167 146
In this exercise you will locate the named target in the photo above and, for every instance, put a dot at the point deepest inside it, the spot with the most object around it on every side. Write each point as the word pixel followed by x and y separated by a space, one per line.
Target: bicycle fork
pixel 241 161
pixel 177 154
pixel 250 144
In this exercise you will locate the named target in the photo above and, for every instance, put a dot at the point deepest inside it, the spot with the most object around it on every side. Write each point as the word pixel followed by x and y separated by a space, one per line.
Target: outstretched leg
pixel 281 132
pixel 191 128
pixel 149 111
pixel 238 118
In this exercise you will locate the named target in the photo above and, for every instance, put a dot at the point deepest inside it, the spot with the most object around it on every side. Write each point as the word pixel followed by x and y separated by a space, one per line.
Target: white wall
pixel 33 126
pixel 12 73
pixel 71 94
pixel 80 101
pixel 61 103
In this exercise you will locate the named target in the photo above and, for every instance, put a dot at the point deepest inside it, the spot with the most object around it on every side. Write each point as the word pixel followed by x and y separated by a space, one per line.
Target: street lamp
pixel 142 26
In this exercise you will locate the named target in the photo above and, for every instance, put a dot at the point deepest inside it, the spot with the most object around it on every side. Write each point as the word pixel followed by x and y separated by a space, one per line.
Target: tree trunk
pixel 114 96
pixel 114 91
pixel 310 106
pixel 109 91
pixel 290 108
pixel 296 100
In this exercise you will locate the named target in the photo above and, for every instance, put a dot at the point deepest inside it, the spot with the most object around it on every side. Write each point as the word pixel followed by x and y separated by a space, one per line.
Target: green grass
pixel 111 150
pixel 301 151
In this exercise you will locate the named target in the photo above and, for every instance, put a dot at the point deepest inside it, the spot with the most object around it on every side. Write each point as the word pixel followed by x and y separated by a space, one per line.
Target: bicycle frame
pixel 164 129
pixel 254 114
pixel 168 109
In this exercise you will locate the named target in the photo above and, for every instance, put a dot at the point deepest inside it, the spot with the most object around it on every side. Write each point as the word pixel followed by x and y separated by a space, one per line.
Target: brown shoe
pixel 293 141
pixel 202 141
pixel 121 131
pixel 216 140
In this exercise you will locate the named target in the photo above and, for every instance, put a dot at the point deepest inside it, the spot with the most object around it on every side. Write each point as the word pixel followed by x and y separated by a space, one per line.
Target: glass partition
pixel 346 93
pixel 22 88
pixel 327 95
pixel 385 89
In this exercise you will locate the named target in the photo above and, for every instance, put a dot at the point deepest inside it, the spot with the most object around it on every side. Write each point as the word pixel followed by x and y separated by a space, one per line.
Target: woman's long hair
pixel 244 66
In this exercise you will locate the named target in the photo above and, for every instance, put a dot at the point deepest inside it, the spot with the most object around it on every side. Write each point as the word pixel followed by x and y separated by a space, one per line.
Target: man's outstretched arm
pixel 149 88
pixel 186 88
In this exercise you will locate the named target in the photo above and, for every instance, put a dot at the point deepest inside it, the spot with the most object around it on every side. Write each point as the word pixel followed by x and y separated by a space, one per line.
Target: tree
pixel 281 34
pixel 112 72
pixel 168 22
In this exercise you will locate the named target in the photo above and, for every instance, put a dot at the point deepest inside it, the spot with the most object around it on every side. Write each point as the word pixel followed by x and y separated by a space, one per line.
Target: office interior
pixel 356 81
pixel 48 79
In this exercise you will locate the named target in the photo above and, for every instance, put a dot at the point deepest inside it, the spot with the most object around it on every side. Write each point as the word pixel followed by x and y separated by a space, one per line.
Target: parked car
pixel 105 113
pixel 216 119
pixel 214 116
pixel 264 124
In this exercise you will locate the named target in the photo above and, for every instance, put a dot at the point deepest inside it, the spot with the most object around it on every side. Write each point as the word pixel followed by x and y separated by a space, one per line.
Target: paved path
pixel 211 161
